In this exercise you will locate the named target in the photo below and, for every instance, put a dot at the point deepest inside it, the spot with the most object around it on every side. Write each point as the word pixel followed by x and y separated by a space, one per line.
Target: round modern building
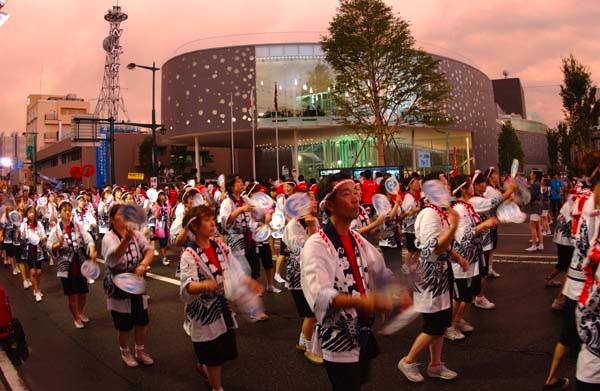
pixel 275 97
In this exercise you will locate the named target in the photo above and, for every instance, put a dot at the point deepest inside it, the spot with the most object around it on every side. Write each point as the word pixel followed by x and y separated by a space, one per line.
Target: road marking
pixel 523 261
pixel 164 279
pixel 154 276
pixel 525 256
pixel 10 373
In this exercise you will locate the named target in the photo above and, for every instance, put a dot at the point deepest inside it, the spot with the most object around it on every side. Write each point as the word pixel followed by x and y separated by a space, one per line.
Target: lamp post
pixel 152 68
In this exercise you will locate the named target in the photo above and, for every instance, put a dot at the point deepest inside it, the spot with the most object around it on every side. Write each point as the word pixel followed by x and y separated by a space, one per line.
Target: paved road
pixel 509 350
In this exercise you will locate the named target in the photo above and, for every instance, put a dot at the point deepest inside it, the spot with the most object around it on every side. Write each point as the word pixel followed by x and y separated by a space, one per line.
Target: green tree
pixel 320 77
pixel 580 105
pixel 145 156
pixel 382 81
pixel 509 147
pixel 565 146
pixel 553 140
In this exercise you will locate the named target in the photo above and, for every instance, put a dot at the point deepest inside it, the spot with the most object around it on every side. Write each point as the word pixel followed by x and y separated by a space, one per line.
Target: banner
pixel 102 159
pixel 454 165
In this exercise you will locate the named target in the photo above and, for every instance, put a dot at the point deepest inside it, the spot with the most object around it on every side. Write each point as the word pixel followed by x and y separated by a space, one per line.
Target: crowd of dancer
pixel 335 260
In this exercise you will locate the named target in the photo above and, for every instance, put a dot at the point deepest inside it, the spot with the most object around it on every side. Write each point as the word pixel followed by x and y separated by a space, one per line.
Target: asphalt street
pixel 510 348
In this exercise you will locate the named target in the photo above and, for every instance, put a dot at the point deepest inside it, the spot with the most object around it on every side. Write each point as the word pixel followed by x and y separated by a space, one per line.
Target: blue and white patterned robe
pixel 434 278
pixel 326 273
pixel 206 311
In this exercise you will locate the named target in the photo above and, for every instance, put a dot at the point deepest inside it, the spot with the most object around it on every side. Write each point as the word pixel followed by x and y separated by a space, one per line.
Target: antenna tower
pixel 110 99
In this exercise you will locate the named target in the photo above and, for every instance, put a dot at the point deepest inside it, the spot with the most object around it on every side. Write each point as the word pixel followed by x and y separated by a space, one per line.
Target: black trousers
pixel 347 376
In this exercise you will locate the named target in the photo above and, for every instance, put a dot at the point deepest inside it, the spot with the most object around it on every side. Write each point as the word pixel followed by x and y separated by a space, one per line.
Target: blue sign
pixel 102 159
pixel 423 159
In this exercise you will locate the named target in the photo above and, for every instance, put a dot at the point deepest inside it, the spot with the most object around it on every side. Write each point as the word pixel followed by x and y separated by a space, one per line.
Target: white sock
pixel 138 347
pixel 301 340
pixel 309 347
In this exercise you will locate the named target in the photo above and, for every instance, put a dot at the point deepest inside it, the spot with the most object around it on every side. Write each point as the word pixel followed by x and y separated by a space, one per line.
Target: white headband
pixel 477 172
pixel 490 170
pixel 335 188
pixel 189 222
pixel 459 187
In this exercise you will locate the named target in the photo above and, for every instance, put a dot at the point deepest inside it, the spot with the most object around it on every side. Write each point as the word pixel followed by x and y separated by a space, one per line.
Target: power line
pixel 544 86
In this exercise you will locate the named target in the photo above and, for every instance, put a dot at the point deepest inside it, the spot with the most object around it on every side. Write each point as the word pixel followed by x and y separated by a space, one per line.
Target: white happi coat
pixel 138 245
pixel 326 273
pixel 467 243
pixel 205 310
pixel 586 232
pixel 432 284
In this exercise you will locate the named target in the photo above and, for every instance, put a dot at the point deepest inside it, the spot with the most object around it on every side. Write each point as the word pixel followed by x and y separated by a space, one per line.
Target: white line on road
pixel 10 373
pixel 165 279
pixel 525 256
pixel 523 261
pixel 154 276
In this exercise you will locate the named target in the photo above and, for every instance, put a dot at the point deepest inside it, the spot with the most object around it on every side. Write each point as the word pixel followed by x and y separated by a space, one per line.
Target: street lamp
pixel 153 68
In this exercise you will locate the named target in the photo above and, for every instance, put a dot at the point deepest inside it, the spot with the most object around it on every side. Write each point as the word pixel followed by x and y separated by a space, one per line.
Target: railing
pixel 311 121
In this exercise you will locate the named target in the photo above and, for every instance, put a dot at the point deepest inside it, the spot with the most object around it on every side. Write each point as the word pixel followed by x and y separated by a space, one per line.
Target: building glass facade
pixel 206 99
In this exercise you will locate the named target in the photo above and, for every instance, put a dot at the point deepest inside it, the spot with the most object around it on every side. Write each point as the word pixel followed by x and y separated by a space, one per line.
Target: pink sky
pixel 58 44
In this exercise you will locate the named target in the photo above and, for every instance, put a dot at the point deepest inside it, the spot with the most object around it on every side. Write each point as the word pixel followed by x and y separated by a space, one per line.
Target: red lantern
pixel 75 172
pixel 88 170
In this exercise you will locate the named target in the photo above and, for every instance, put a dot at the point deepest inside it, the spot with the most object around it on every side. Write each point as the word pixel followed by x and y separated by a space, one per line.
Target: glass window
pixel 303 83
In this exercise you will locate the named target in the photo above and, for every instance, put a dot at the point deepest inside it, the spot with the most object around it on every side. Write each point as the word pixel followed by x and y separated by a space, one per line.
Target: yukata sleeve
pixel 317 277
pixel 53 238
pixel 109 247
pixel 428 229
pixel 465 232
pixel 188 274
pixel 485 205
pixel 87 238
pixel 294 235
pixel 227 208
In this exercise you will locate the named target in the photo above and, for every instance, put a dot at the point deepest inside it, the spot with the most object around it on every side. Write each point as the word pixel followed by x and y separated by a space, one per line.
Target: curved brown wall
pixel 196 88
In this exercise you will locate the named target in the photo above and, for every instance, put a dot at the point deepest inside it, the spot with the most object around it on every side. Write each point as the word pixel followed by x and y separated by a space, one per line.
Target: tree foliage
pixel 565 145
pixel 382 81
pixel 509 147
pixel 320 78
pixel 553 141
pixel 580 105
